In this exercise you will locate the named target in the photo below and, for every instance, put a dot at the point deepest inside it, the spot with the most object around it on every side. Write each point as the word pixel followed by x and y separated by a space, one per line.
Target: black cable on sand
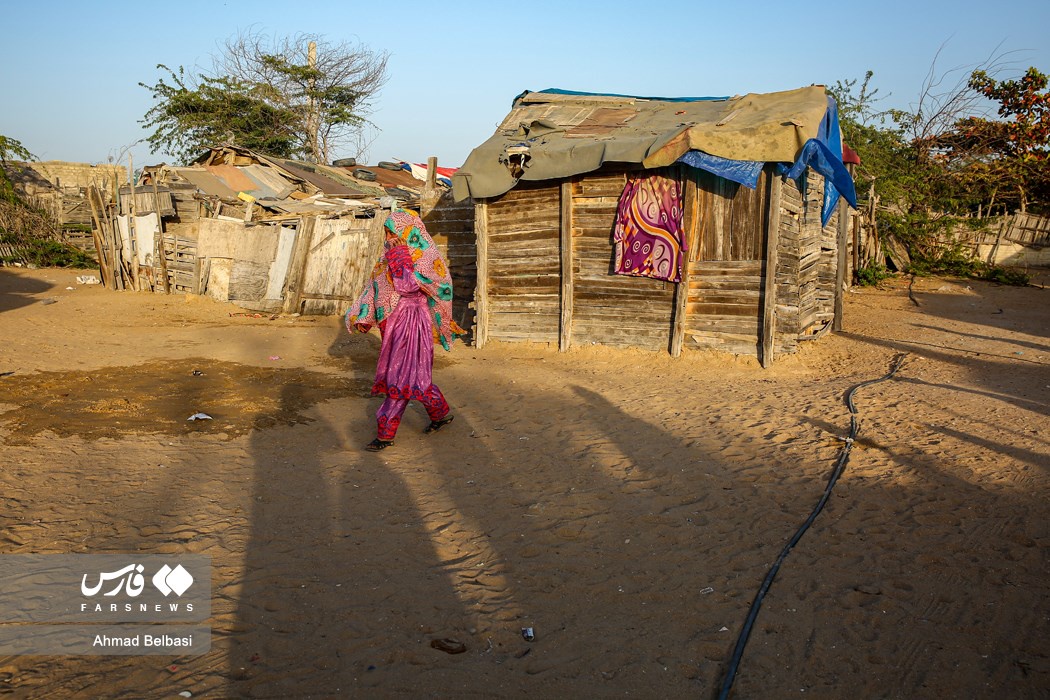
pixel 840 465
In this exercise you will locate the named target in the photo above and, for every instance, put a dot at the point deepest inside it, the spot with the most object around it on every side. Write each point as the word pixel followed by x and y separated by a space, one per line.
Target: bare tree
pixel 945 97
pixel 330 86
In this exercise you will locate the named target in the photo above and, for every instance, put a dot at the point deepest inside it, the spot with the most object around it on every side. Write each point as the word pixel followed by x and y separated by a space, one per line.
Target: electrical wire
pixel 840 466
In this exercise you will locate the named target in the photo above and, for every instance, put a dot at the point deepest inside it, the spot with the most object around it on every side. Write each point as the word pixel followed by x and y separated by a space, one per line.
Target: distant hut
pixel 560 193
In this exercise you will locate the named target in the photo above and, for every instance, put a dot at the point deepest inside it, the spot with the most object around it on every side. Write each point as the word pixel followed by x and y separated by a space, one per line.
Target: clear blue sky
pixel 69 79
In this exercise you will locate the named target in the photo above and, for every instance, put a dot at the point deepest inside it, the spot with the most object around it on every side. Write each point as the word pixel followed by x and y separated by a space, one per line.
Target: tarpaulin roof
pixel 555 134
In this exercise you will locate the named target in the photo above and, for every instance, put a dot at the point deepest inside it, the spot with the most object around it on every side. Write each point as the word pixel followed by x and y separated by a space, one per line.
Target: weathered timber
pixel 769 318
pixel 565 331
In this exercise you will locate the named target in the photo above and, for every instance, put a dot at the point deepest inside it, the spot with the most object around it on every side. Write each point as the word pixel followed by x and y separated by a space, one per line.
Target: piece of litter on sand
pixel 87 279
pixel 49 301
pixel 275 357
pixel 449 646
pixel 186 694
pixel 70 289
pixel 724 629
pixel 705 591
pixel 199 416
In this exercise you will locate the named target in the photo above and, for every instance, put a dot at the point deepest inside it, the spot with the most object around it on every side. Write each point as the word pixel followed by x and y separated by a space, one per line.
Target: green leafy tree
pixel 926 172
pixel 1005 160
pixel 297 97
pixel 32 233
pixel 188 119
pixel 10 149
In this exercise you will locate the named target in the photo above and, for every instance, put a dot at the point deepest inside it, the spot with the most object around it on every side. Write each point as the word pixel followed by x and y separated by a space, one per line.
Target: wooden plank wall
pixel 451 225
pixel 181 261
pixel 341 256
pixel 607 308
pixel 725 270
pixel 524 265
pixel 806 271
pixel 723 307
pixel 1027 229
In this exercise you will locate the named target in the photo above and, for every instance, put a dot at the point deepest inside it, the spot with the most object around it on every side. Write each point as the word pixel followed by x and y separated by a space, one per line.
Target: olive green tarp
pixel 551 135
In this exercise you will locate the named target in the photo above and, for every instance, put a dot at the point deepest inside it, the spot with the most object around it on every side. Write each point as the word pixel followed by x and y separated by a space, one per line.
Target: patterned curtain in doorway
pixel 648 233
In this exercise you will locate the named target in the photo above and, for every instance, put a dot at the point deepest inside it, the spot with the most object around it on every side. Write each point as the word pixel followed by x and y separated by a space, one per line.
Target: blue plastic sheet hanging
pixel 823 154
pixel 745 172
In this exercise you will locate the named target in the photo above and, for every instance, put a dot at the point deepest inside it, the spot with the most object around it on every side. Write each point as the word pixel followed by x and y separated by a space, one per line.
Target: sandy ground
pixel 624 505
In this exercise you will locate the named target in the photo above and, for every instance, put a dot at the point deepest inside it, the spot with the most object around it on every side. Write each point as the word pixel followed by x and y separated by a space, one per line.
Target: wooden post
pixel 293 288
pixel 432 165
pixel 158 241
pixel 842 231
pixel 565 336
pixel 481 308
pixel 97 233
pixel 136 283
pixel 691 219
pixel 431 195
pixel 855 220
pixel 769 286
pixel 116 266
pixel 998 239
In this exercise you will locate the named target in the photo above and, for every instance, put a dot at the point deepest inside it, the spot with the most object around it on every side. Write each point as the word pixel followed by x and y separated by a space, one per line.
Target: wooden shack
pixel 545 247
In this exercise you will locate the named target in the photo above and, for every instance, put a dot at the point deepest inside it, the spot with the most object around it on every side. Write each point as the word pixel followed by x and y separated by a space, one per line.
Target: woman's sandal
pixel 378 444
pixel 436 425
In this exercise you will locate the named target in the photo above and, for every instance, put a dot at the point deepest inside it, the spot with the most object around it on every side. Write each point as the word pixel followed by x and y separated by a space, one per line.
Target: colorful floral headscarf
pixel 379 299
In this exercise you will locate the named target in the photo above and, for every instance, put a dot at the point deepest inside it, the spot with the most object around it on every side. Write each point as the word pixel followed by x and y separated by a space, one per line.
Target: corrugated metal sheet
pixel 233 177
pixel 206 182
pixel 322 182
pixel 268 181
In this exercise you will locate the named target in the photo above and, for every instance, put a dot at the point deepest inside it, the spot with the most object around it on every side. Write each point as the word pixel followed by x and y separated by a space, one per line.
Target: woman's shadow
pixel 338 573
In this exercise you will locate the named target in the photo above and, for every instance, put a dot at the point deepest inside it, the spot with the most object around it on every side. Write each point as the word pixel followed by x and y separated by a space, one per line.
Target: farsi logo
pixel 168 580
pixel 130 578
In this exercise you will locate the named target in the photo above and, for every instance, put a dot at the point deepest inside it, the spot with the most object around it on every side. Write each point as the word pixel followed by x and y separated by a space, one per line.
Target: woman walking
pixel 409 296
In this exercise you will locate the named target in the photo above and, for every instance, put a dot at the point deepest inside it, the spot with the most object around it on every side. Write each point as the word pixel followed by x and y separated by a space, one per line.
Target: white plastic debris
pixel 199 416
pixel 87 279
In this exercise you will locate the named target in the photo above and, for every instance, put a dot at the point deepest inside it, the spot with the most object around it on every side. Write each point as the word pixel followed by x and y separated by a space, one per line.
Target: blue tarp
pixel 557 91
pixel 823 154
pixel 745 172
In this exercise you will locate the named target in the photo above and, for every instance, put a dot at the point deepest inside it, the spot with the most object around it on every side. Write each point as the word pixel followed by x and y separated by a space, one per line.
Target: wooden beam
pixel 691 219
pixel 293 286
pixel 481 310
pixel 431 195
pixel 565 336
pixel 842 236
pixel 856 229
pixel 431 181
pixel 105 268
pixel 769 287
pixel 133 241
pixel 158 240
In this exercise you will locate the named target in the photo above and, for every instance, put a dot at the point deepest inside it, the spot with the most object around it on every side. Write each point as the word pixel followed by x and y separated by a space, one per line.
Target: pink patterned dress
pixel 406 357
